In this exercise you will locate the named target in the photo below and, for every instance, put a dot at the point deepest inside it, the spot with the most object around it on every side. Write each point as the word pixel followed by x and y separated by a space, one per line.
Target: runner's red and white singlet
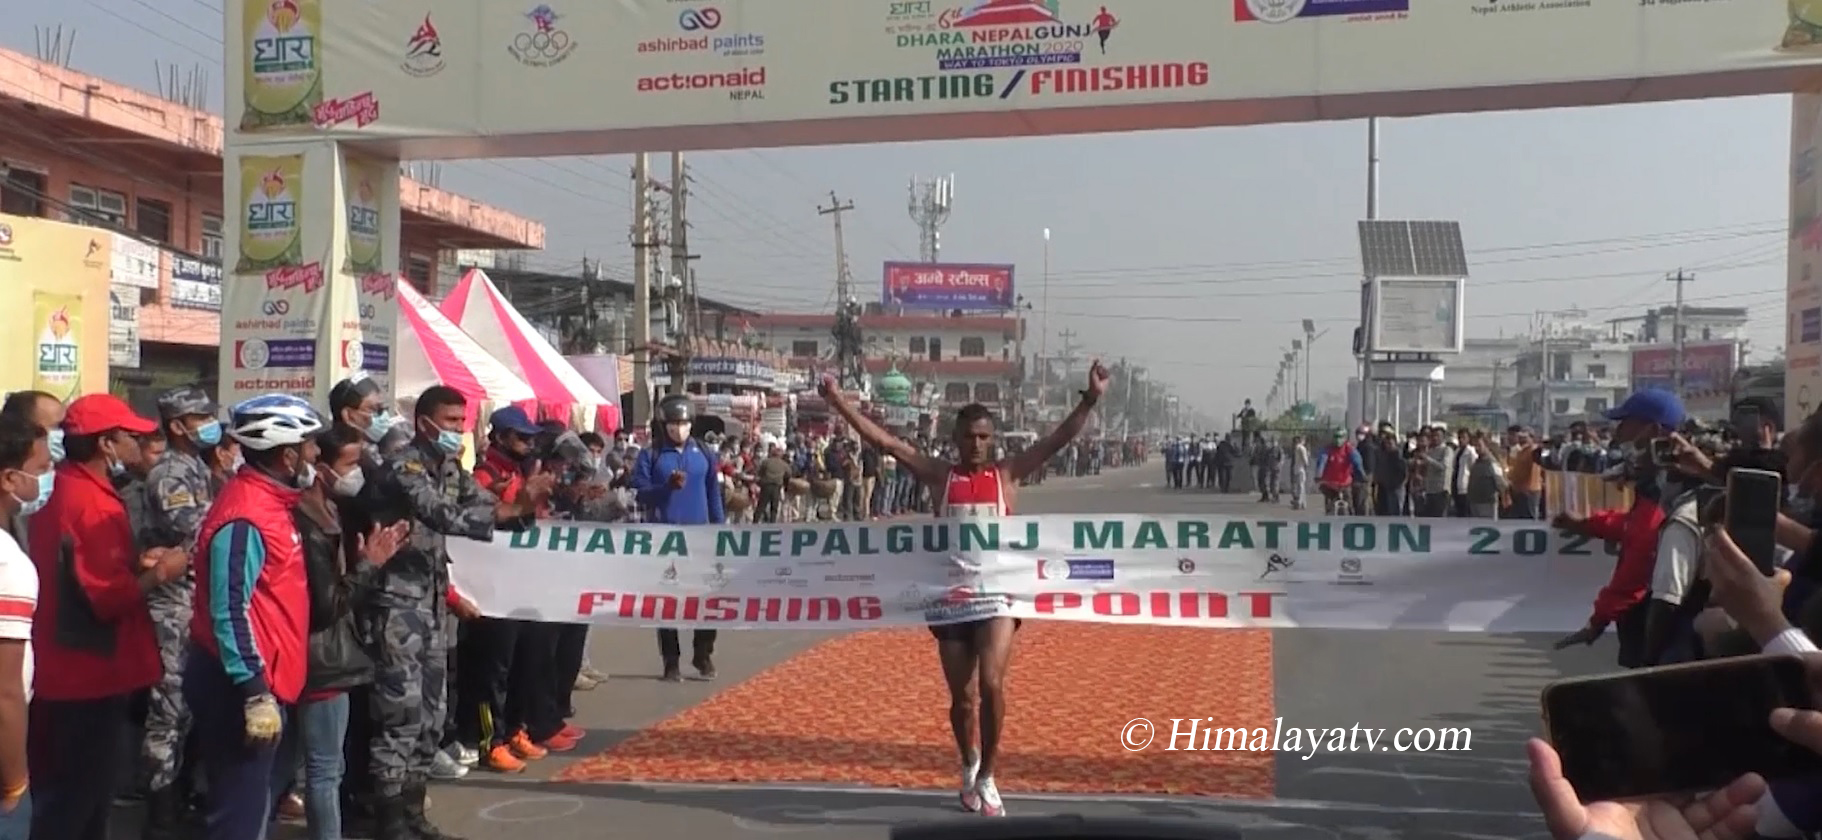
pixel 973 495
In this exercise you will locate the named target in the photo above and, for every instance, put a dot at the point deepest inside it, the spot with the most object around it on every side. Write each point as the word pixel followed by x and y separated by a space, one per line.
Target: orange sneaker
pixel 501 760
pixel 558 743
pixel 523 747
pixel 573 733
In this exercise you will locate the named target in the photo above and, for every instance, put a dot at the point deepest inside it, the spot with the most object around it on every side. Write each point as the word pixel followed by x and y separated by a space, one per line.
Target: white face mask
pixel 678 432
pixel 349 484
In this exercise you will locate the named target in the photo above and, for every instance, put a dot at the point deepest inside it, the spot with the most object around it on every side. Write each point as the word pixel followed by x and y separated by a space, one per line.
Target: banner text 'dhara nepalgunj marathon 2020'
pixel 1372 574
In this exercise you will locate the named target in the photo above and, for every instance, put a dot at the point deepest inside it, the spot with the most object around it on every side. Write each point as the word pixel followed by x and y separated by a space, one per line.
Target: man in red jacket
pixel 249 632
pixel 92 638
pixel 1622 600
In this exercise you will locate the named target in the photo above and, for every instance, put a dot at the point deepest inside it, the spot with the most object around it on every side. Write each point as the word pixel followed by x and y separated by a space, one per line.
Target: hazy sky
pixel 1195 252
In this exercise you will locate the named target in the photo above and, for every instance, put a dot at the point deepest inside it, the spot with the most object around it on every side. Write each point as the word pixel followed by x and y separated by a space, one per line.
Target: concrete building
pixel 965 358
pixel 1484 374
pixel 78 148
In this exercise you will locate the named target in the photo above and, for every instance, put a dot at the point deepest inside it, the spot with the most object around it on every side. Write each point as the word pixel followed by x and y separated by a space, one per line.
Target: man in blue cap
pixel 1667 618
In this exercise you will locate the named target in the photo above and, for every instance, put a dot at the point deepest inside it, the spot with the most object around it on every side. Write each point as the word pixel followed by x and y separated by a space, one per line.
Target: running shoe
pixel 971 771
pixel 989 795
pixel 590 672
pixel 465 755
pixel 445 768
pixel 501 759
pixel 523 747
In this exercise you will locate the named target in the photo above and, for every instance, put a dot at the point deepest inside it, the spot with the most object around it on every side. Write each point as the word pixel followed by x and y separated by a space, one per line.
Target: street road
pixel 1323 678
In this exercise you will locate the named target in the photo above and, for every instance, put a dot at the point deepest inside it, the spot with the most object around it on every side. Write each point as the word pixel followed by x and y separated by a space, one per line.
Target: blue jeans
pixel 239 775
pixel 322 725
pixel 17 823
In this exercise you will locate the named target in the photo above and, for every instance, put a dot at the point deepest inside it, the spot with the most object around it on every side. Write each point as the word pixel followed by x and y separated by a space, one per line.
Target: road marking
pixel 526 809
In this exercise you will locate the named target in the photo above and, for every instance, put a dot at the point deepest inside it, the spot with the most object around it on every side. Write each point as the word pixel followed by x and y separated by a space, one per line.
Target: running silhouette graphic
pixel 1104 24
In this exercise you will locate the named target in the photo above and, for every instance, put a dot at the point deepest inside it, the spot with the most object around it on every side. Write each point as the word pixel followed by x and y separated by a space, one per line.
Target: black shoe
pixel 165 812
pixel 672 673
pixel 705 665
pixel 389 819
pixel 417 819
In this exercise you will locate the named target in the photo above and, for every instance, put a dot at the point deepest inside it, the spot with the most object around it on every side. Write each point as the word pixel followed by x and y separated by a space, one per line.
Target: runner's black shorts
pixel 963 631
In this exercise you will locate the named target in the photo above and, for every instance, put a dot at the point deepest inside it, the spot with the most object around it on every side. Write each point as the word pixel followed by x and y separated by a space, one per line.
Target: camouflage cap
pixel 185 401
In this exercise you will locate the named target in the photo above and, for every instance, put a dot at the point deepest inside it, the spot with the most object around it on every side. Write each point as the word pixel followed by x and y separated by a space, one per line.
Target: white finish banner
pixel 1366 574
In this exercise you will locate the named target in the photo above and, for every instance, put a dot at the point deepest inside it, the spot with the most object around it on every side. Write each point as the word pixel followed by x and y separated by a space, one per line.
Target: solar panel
pixel 1412 249
pixel 1438 250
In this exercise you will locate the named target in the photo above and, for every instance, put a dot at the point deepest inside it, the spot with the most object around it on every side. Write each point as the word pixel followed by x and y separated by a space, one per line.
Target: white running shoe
pixel 988 794
pixel 971 771
pixel 446 768
pixel 465 755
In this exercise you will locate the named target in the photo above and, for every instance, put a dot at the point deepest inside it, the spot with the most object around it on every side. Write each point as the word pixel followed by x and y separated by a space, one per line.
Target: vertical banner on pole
pixel 369 199
pixel 1803 338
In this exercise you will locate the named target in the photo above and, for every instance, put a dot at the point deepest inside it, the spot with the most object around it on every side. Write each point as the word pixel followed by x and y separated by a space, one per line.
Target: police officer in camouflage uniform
pixel 178 490
pixel 426 485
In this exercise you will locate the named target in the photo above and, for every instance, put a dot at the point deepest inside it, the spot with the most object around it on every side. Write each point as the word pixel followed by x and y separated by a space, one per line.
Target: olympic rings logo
pixel 547 44
pixel 277 307
pixel 694 19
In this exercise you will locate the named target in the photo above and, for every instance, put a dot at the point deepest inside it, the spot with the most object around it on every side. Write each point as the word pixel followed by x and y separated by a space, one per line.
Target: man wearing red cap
pixel 92 637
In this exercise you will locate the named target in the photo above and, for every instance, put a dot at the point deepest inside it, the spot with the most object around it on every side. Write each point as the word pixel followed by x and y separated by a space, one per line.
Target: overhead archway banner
pixel 474 78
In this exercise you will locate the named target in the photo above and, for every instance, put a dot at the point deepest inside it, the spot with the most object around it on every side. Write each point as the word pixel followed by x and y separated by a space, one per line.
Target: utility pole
pixel 1676 325
pixel 689 312
pixel 847 309
pixel 642 291
pixel 1543 385
pixel 1069 356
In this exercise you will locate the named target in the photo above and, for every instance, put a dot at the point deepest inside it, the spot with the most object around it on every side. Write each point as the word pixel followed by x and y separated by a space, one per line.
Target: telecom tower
pixel 929 208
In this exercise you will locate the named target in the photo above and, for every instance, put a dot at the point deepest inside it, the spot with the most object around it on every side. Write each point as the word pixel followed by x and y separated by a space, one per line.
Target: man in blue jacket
pixel 677 481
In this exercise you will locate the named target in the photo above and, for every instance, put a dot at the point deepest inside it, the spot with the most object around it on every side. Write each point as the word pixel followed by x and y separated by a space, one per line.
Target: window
pixel 804 349
pixel 152 218
pixel 936 350
pixel 1594 405
pixel 986 392
pixel 917 345
pixel 211 236
pixel 973 348
pixel 418 271
pixel 91 206
pixel 1559 406
pixel 22 193
pixel 1560 367
pixel 1597 372
pixel 956 392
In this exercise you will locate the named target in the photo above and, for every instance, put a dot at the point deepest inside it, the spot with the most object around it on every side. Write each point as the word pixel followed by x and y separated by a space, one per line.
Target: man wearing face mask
pixel 26 483
pixel 45 412
pixel 249 635
pixel 179 489
pixel 93 635
pixel 358 403
pixel 406 620
pixel 1675 597
pixel 677 483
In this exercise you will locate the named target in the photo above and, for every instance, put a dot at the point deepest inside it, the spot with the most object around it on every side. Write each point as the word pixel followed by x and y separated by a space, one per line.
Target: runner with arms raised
pixel 975 652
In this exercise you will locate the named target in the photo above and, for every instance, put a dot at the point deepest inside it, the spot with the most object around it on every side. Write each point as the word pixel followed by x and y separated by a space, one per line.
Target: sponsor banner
pixel 195 284
pixel 53 306
pixel 1369 574
pixel 746 72
pixel 277 325
pixel 947 286
pixel 57 323
pixel 1803 301
pixel 123 326
pixel 133 263
pixel 723 370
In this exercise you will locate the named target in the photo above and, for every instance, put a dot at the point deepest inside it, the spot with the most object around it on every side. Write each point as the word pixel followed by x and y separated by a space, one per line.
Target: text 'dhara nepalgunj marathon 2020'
pixel 1209 735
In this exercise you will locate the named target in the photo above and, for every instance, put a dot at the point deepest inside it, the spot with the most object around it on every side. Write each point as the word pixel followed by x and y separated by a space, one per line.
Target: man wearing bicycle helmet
pixel 249 634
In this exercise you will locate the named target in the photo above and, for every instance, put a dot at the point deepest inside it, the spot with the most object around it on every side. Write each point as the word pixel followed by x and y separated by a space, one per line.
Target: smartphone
pixel 1751 518
pixel 1746 424
pixel 1663 451
pixel 1678 728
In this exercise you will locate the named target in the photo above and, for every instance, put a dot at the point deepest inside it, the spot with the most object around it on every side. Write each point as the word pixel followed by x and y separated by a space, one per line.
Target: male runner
pixel 975 652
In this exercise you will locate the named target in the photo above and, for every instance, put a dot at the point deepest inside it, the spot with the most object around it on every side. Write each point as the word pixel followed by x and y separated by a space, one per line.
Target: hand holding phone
pixel 1663 452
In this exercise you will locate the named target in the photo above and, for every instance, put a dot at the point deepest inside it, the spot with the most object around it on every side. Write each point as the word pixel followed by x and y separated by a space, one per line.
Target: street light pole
pixel 1044 334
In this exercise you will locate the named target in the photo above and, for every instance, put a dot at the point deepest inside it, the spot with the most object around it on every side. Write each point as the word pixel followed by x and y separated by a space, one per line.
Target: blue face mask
pixel 382 423
pixel 450 442
pixel 56 445
pixel 208 434
pixel 46 483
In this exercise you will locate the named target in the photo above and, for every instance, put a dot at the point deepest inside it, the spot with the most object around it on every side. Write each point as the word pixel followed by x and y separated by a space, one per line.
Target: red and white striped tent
pixel 477 306
pixel 437 352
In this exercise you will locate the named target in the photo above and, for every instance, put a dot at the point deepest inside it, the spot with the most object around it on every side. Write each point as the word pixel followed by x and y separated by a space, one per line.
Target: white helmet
pixel 273 420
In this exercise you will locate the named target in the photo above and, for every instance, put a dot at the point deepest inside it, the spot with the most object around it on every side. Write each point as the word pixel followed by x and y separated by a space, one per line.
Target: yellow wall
pixel 44 266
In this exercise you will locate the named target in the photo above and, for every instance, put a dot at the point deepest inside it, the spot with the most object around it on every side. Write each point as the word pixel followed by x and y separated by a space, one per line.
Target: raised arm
pixel 1033 459
pixel 926 469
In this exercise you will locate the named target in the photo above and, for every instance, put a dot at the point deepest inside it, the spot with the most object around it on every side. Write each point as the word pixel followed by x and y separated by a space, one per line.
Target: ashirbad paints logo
pixel 543 43
pixel 424 51
pixel 699 29
pixel 1284 11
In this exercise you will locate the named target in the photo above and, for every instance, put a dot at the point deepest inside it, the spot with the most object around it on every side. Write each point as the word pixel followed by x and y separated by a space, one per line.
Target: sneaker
pixel 672 673
pixel 573 733
pixel 591 673
pixel 557 743
pixel 989 794
pixel 501 760
pixel 466 755
pixel 445 768
pixel 523 747
pixel 705 666
pixel 971 771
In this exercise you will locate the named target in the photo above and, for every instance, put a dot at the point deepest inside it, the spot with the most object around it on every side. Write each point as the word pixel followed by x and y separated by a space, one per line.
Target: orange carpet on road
pixel 870 709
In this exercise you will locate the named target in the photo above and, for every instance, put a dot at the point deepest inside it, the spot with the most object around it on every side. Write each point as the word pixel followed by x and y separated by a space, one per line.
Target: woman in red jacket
pixel 1622 600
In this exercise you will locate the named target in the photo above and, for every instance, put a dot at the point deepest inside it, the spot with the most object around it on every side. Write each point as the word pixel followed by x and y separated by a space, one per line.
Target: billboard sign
pixel 947 286
pixel 1417 314
pixel 1708 368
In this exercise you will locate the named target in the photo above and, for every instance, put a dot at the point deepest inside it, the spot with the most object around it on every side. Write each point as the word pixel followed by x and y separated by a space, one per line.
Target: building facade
pixel 84 150
pixel 963 358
